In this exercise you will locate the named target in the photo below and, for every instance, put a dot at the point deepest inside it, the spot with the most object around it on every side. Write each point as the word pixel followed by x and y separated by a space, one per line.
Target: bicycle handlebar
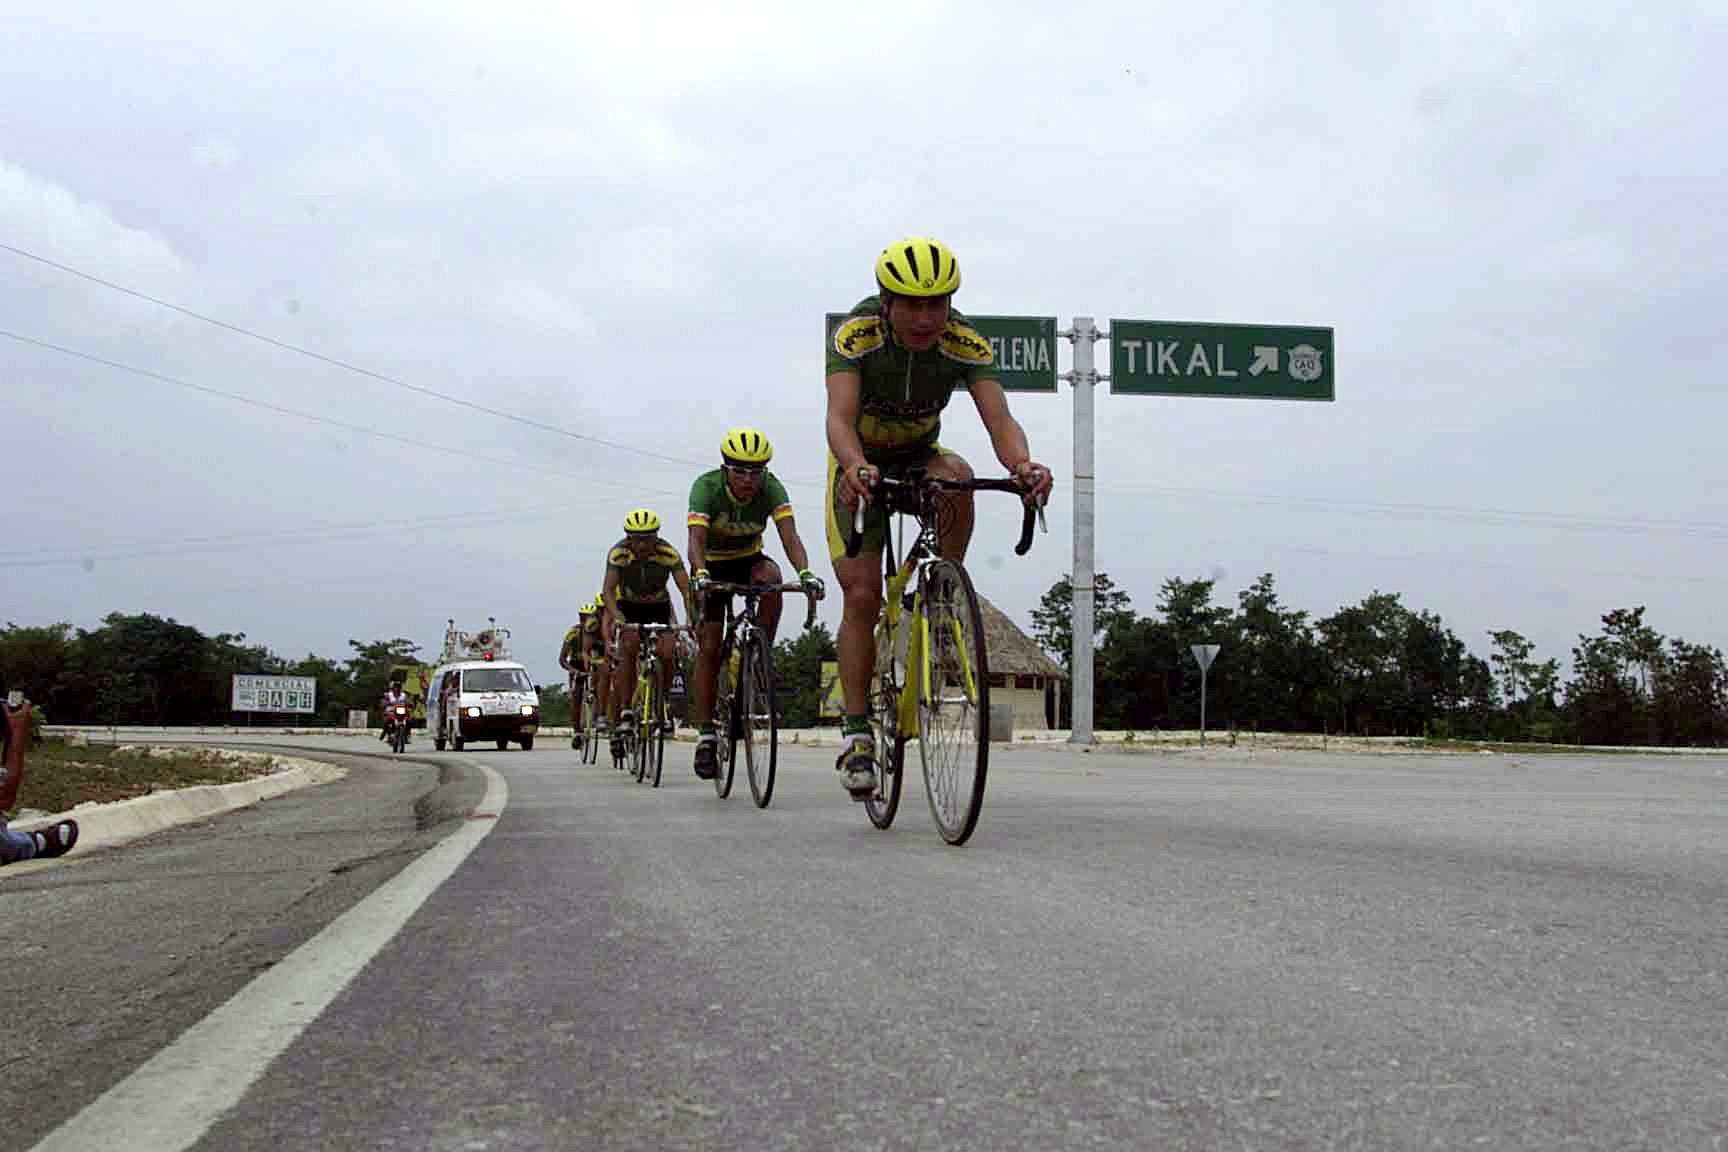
pixel 757 591
pixel 855 534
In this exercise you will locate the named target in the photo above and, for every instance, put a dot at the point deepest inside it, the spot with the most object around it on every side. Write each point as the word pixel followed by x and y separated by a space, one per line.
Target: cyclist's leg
pixel 957 509
pixel 860 580
pixel 667 646
pixel 602 687
pixel 765 571
pixel 575 691
pixel 624 683
pixel 707 667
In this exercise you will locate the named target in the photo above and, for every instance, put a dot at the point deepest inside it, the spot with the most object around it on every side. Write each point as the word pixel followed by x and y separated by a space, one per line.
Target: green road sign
pixel 1148 358
pixel 1024 347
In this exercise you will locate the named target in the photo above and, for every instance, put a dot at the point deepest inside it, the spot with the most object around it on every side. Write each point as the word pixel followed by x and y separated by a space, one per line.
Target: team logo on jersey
pixel 858 336
pixel 961 342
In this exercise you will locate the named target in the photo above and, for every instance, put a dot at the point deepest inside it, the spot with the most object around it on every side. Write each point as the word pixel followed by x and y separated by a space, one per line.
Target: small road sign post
pixel 1204 654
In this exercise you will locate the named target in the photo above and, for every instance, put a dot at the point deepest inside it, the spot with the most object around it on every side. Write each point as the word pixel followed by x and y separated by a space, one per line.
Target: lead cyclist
pixel 893 365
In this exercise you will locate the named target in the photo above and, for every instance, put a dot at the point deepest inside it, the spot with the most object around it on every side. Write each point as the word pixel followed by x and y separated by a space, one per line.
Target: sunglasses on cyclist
pixel 745 470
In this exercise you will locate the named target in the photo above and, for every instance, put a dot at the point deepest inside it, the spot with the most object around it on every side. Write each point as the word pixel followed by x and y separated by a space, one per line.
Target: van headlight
pixel 527 709
pixel 471 713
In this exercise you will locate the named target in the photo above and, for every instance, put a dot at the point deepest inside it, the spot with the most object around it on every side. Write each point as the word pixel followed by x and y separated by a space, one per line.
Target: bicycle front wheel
pixel 639 738
pixel 953 699
pixel 761 727
pixel 725 724
pixel 885 714
pixel 657 738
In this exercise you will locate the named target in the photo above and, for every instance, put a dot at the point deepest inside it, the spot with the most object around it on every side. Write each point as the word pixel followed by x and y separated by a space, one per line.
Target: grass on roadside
pixel 59 776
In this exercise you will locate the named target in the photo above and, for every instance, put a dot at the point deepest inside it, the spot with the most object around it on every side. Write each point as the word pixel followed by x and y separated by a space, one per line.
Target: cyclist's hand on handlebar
pixel 813 586
pixel 1036 480
pixel 857 483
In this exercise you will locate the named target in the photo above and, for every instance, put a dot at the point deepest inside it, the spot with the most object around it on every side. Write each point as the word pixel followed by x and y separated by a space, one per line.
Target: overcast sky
pixel 626 221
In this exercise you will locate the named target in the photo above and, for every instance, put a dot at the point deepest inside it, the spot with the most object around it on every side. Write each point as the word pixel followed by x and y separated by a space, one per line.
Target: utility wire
pixel 343 364
pixel 133 549
pixel 327 420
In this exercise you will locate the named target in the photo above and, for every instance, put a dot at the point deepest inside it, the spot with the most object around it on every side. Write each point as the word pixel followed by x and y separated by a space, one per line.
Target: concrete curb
pixel 108 825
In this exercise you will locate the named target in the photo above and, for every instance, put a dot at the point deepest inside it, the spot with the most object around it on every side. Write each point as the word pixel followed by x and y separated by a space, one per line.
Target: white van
pixel 482 700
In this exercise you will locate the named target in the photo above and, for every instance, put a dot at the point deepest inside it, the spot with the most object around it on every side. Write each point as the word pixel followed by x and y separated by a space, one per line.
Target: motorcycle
pixel 398 727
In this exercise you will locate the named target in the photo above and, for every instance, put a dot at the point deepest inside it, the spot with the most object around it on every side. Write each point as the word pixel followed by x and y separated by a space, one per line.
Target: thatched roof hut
pixel 1011 652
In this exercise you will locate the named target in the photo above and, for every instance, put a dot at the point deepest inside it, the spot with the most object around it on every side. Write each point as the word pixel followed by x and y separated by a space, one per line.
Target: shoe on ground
pixel 857 765
pixel 56 840
pixel 707 757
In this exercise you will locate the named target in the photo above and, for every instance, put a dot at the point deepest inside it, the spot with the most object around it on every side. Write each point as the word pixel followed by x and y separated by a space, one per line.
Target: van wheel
pixel 503 744
pixel 527 743
pixel 456 742
pixel 438 743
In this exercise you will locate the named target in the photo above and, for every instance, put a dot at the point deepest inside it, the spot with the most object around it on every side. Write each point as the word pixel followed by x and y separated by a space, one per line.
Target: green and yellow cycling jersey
pixel 735 529
pixel 644 581
pixel 903 392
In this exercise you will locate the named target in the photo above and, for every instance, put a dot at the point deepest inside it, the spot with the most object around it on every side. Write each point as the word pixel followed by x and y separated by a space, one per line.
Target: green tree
pixel 1053 619
pixel 1692 695
pixel 152 670
pixel 1277 668
pixel 368 669
pixel 798 675
pixel 1602 702
pixel 40 662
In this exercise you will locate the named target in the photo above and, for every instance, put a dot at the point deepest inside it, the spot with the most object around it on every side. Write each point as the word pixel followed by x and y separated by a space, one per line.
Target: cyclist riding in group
pixel 892 365
pixel 730 508
pixel 582 649
pixel 638 568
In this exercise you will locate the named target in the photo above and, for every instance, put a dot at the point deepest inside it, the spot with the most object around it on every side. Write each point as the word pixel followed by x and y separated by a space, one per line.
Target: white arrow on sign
pixel 1265 359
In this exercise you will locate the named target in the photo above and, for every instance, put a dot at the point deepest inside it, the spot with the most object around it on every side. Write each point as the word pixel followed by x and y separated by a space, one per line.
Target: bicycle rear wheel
pixel 761 726
pixel 954 701
pixel 725 724
pixel 885 716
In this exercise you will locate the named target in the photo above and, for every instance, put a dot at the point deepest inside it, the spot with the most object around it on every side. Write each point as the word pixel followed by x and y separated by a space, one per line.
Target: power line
pixel 1500 516
pixel 328 420
pixel 136 549
pixel 343 364
pixel 1456 512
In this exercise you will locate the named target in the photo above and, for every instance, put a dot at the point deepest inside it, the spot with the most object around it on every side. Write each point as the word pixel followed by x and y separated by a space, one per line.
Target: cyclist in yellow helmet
pixel 638 568
pixel 893 364
pixel 582 649
pixel 730 509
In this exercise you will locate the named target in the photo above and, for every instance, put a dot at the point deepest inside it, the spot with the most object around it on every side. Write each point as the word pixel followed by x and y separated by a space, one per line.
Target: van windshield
pixel 496 680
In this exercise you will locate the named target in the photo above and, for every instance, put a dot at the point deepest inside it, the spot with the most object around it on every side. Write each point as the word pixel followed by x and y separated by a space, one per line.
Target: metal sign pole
pixel 1202 707
pixel 1084 378
pixel 1204 654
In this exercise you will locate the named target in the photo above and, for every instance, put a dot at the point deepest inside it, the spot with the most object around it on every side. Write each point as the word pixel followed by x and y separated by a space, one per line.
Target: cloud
pixel 43 217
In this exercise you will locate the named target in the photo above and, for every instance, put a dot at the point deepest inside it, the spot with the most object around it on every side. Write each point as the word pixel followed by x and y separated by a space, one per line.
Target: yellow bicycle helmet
pixel 746 446
pixel 918 266
pixel 641 521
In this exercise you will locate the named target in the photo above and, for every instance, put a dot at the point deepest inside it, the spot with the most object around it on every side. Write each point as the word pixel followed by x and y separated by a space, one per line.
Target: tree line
pixel 1381 668
pixel 1376 668
pixel 144 669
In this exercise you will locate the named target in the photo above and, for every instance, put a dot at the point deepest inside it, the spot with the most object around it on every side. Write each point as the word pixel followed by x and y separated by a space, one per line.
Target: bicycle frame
pixel 648 665
pixel 919 486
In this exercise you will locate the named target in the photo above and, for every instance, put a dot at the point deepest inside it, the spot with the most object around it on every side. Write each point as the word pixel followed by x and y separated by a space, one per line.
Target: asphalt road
pixel 1194 950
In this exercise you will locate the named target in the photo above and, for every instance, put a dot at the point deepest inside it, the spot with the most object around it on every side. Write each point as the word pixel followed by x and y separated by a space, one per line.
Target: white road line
pixel 174 1098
